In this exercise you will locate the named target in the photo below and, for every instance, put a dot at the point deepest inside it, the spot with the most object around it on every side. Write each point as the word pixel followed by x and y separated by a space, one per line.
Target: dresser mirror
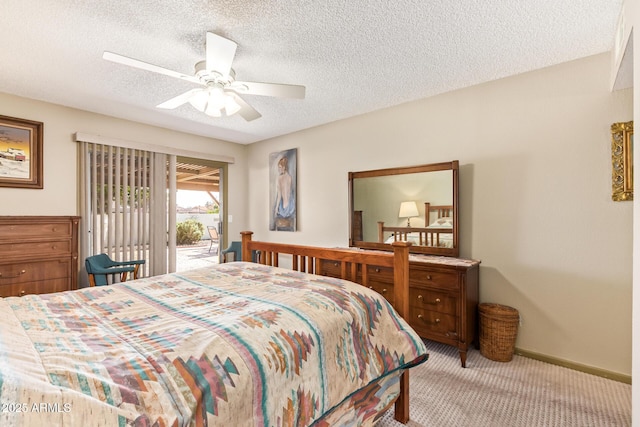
pixel 418 204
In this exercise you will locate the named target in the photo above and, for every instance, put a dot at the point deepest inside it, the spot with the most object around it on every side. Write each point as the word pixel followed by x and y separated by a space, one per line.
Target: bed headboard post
pixel 246 251
pixel 427 210
pixel 401 277
pixel 401 297
pixel 381 231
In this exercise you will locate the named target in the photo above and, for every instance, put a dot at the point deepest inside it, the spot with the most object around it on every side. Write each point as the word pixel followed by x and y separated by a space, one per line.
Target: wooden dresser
pixel 443 293
pixel 38 254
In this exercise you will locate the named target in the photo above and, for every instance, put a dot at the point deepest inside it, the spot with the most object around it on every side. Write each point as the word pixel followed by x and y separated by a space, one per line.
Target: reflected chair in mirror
pixel 100 267
pixel 214 236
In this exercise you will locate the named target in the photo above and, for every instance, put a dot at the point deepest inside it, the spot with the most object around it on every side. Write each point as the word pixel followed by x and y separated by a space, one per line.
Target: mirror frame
pixel 428 250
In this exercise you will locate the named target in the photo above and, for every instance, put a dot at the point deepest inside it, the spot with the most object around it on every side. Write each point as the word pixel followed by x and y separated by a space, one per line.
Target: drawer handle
pixel 377 270
pixel 22 293
pixel 428 277
pixel 436 301
pixel 11 277
pixel 370 287
pixel 384 291
pixel 421 317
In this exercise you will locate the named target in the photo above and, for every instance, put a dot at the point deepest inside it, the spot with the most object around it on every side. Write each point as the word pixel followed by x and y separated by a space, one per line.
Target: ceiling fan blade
pixel 120 59
pixel 268 89
pixel 178 100
pixel 220 54
pixel 246 111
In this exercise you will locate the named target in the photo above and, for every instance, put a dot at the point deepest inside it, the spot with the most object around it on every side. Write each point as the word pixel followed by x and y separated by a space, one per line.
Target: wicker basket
pixel 498 331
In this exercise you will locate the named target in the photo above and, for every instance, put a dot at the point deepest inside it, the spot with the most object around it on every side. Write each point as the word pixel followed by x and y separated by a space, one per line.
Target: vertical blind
pixel 125 204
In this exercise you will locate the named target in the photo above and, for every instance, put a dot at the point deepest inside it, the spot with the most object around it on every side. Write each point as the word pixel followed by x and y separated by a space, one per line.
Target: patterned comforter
pixel 239 344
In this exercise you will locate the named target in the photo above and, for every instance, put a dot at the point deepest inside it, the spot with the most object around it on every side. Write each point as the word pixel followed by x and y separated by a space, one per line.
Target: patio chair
pixel 214 236
pixel 99 267
pixel 235 248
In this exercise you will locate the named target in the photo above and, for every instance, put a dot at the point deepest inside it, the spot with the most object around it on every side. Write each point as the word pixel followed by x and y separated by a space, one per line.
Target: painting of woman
pixel 283 190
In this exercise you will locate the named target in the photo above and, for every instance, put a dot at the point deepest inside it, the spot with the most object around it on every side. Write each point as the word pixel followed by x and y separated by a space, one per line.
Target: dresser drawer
pixel 39 287
pixel 432 322
pixel 330 268
pixel 425 299
pixel 36 248
pixel 380 275
pixel 434 278
pixel 24 272
pixel 383 289
pixel 380 279
pixel 38 254
pixel 44 230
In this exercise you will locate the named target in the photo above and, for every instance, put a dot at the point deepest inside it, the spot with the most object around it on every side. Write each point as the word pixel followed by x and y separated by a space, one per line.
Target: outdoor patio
pixel 196 256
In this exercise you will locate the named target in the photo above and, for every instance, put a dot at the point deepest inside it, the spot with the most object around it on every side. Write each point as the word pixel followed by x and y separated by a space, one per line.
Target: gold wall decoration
pixel 622 161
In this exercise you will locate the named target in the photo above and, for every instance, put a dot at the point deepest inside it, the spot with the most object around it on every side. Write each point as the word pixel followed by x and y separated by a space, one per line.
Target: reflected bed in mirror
pixel 417 204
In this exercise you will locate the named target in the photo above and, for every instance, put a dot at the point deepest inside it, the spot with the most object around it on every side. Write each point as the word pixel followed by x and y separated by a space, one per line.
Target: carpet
pixel 523 392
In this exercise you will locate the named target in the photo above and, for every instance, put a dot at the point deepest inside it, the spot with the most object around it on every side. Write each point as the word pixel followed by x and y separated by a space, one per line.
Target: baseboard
pixel 575 366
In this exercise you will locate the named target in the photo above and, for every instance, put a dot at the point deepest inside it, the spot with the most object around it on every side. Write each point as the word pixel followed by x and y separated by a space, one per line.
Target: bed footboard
pixel 309 258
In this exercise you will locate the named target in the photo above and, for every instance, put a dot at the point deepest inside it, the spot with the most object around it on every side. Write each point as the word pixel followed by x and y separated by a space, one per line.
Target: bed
pixel 438 232
pixel 237 344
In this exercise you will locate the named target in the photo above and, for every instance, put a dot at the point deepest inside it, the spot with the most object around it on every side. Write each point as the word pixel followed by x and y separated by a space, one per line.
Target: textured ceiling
pixel 353 56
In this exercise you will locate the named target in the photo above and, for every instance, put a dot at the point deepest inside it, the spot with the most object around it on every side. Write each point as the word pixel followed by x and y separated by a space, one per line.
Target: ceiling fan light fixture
pixel 199 100
pixel 213 111
pixel 231 106
pixel 216 98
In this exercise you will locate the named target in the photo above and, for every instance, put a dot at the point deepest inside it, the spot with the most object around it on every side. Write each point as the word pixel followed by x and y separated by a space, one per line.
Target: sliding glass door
pixel 128 204
pixel 200 212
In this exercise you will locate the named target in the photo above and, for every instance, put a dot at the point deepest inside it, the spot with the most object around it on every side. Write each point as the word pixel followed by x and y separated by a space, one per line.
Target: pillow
pixel 444 222
pixel 409 237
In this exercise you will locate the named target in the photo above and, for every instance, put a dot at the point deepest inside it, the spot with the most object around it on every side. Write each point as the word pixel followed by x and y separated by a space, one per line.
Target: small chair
pixel 100 266
pixel 234 248
pixel 214 236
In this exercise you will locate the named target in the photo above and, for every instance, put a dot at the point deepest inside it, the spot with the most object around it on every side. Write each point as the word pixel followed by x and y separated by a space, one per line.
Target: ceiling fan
pixel 220 88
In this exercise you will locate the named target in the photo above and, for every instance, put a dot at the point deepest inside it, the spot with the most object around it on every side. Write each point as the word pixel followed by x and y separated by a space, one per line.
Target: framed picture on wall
pixel 20 153
pixel 283 171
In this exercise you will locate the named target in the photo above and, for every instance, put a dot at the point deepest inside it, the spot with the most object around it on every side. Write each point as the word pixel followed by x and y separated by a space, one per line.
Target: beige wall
pixel 59 196
pixel 631 19
pixel 535 197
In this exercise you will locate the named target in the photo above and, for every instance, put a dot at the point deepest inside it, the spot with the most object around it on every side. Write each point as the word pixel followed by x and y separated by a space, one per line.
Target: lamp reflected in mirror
pixel 408 210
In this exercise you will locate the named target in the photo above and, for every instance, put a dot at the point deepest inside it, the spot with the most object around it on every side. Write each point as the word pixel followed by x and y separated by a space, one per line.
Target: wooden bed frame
pixel 426 236
pixel 309 259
